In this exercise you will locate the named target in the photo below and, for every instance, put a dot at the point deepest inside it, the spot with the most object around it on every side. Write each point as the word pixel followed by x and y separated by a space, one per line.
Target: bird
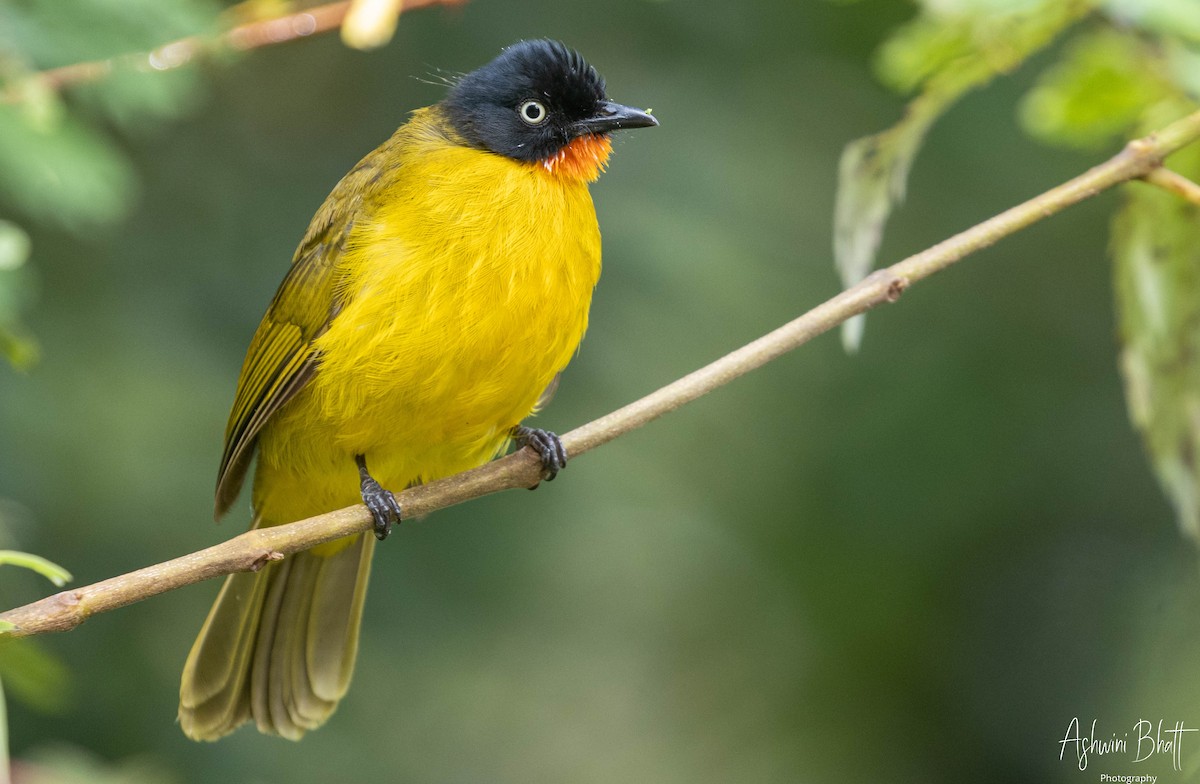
pixel 430 308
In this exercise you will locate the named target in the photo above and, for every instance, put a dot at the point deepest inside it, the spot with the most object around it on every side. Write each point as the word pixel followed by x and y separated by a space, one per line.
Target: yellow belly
pixel 466 290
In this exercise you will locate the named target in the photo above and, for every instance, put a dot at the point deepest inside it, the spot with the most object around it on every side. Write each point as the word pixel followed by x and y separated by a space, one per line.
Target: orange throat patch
pixel 583 159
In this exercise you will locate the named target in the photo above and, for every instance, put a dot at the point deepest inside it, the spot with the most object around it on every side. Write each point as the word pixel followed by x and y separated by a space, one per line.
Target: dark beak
pixel 614 117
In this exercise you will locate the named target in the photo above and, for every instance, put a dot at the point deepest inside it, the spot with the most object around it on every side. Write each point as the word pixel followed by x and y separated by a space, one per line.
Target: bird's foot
pixel 548 446
pixel 382 503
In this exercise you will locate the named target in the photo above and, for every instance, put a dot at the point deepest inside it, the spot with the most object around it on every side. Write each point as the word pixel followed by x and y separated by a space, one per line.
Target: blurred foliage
pixel 26 668
pixel 947 51
pixel 35 675
pixel 72 765
pixel 59 170
pixel 41 34
pixel 1109 84
pixel 62 163
pixel 1132 66
pixel 1097 92
pixel 1156 250
pixel 15 294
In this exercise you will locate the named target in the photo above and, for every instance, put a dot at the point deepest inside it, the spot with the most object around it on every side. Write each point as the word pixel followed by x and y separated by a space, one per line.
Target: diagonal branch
pixel 68 609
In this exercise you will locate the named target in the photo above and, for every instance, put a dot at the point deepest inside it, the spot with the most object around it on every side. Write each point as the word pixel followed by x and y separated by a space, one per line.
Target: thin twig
pixel 242 37
pixel 1175 183
pixel 251 550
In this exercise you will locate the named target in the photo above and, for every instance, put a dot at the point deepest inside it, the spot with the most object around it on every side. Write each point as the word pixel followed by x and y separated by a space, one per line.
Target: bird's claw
pixel 548 446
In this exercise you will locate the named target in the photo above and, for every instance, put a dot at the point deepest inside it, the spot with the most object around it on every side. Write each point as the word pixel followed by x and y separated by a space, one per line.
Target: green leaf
pixel 51 571
pixel 16 292
pixel 62 171
pixel 979 7
pixel 14 246
pixel 99 29
pixel 34 675
pixel 952 49
pixel 1097 92
pixel 1156 251
pixel 872 175
pixel 958 44
pixel 21 350
pixel 1183 66
pixel 1172 18
pixel 919 50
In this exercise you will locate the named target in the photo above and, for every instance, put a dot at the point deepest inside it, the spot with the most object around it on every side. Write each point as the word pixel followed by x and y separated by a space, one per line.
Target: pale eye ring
pixel 533 112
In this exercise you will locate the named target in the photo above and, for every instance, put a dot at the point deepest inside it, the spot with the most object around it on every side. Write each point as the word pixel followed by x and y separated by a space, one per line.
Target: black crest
pixel 528 103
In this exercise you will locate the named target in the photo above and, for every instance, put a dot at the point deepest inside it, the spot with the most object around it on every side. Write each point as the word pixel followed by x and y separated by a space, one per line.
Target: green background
pixel 917 563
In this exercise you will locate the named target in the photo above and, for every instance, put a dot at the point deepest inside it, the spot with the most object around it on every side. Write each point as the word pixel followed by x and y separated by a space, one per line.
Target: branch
pixel 242 37
pixel 1175 183
pixel 251 550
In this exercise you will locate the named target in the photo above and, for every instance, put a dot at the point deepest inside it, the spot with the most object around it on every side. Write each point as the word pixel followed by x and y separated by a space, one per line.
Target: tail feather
pixel 275 632
pixel 212 697
pixel 279 645
pixel 330 664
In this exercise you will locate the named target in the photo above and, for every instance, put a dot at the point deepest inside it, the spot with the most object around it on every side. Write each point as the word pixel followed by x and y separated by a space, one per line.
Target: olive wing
pixel 281 358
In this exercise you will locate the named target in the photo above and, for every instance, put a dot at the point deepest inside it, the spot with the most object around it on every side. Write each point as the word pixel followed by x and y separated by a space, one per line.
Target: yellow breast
pixel 465 285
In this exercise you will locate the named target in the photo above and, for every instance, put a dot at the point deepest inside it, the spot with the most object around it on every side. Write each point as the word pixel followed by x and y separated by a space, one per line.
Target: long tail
pixel 279 645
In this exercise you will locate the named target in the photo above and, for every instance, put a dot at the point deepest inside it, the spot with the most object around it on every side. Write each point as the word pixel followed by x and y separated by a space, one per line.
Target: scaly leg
pixel 383 505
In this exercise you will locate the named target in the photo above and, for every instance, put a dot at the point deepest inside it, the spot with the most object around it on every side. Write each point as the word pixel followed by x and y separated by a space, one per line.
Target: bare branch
pixel 68 609
pixel 1175 183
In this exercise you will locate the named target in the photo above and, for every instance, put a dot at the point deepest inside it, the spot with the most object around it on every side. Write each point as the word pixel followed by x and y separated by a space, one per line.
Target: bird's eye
pixel 532 112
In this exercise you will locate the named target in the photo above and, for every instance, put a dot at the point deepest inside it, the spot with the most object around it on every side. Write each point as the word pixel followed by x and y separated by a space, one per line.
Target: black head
pixel 533 100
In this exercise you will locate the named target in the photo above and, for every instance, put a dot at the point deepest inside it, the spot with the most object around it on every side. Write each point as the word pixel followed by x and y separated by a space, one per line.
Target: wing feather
pixel 281 358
